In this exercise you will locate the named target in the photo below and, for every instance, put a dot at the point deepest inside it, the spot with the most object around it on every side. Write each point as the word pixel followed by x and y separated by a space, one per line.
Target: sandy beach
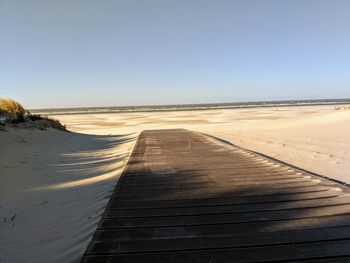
pixel 315 138
pixel 55 184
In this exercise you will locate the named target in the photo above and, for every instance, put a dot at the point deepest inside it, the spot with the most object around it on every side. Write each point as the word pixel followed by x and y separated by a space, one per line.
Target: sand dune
pixel 54 186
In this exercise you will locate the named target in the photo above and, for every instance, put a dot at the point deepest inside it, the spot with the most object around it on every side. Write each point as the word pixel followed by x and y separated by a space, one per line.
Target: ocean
pixel 181 107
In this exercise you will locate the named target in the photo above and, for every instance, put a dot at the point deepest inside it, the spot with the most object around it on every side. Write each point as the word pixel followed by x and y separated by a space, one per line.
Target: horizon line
pixel 200 104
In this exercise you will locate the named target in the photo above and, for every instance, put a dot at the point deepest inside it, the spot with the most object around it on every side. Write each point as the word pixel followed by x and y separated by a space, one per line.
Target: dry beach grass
pixel 13 115
pixel 11 106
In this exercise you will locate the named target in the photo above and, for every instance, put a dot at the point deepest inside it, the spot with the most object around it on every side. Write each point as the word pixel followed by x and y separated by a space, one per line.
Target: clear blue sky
pixel 67 53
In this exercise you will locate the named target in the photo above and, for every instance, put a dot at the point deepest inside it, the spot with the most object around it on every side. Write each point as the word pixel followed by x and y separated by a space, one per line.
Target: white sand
pixel 57 183
pixel 54 185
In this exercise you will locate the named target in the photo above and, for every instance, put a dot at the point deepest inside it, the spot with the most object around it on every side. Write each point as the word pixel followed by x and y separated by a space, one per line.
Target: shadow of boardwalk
pixel 185 198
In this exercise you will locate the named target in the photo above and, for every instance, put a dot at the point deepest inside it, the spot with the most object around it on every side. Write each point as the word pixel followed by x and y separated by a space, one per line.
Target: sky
pixel 70 53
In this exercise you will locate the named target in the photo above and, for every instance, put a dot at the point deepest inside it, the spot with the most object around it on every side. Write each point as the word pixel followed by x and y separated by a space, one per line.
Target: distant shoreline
pixel 188 107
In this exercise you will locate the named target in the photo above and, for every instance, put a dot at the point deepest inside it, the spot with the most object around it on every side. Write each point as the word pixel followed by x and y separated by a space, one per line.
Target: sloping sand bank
pixel 53 188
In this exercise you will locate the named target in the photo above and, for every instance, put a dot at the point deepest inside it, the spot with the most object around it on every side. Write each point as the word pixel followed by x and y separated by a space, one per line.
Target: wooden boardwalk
pixel 185 198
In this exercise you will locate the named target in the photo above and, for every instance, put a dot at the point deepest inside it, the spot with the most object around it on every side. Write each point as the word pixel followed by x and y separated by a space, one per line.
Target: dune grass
pixel 17 114
pixel 11 106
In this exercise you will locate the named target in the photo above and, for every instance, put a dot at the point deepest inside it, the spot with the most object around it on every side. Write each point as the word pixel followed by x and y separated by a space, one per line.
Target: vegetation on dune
pixel 12 108
pixel 12 113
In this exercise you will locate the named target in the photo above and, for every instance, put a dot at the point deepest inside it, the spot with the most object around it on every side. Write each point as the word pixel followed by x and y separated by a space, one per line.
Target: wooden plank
pixel 132 204
pixel 295 251
pixel 210 184
pixel 223 229
pixel 125 182
pixel 219 191
pixel 228 184
pixel 205 210
pixel 224 218
pixel 212 242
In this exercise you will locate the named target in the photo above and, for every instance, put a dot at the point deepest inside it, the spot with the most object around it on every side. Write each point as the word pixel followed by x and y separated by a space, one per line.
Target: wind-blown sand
pixel 58 183
pixel 54 186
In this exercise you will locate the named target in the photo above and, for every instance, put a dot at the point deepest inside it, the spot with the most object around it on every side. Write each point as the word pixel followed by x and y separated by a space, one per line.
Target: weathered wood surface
pixel 185 198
